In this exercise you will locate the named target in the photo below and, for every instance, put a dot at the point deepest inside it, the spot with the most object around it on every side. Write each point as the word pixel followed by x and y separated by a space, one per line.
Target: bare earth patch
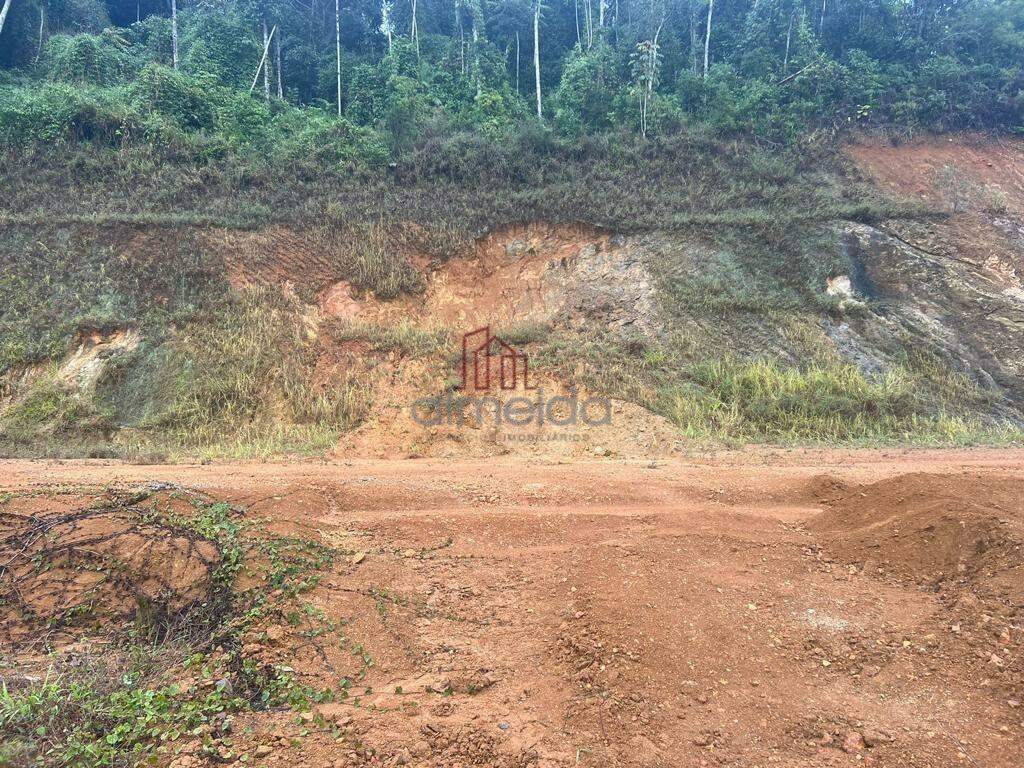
pixel 747 609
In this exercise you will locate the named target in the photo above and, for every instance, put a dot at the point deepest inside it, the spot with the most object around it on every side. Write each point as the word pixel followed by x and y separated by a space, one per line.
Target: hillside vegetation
pixel 218 275
pixel 190 191
pixel 281 81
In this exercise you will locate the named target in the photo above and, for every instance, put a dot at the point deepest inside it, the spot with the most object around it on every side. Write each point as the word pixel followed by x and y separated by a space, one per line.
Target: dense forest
pixel 361 80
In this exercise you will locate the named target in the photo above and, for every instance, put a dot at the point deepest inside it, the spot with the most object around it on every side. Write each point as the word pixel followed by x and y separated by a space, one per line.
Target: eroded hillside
pixel 867 318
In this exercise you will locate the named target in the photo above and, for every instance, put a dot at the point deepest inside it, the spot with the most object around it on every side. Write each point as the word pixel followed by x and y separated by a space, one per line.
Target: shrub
pixel 93 59
pixel 176 96
pixel 57 112
pixel 586 93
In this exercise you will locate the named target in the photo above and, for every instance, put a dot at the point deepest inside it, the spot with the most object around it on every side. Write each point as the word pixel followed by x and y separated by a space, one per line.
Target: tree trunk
pixel 42 29
pixel 277 55
pixel 462 39
pixel 654 59
pixel 579 39
pixel 476 54
pixel 266 67
pixel 263 62
pixel 337 47
pixel 536 57
pixel 821 21
pixel 414 32
pixel 174 32
pixel 789 38
pixel 517 61
pixel 694 60
pixel 707 38
pixel 590 24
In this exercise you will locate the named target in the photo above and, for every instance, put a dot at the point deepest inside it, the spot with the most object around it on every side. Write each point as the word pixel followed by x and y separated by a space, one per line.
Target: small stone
pixel 275 633
pixel 1013 703
pixel 872 737
pixel 263 750
pixel 358 557
pixel 853 742
pixel 409 553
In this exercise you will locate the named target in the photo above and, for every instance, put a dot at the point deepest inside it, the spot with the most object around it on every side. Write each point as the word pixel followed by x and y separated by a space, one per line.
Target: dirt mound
pixel 937 530
pixel 107 561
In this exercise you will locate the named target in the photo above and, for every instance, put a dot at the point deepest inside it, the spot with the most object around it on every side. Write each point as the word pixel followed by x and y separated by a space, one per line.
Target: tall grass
pixel 249 372
pixel 370 255
pixel 403 338
pixel 762 400
pixel 714 396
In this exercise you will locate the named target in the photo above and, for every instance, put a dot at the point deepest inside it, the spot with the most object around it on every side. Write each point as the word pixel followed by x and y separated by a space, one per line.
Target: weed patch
pixel 170 677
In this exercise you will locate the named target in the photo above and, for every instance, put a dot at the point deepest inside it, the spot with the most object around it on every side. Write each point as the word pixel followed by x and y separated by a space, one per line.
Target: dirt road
pixel 749 609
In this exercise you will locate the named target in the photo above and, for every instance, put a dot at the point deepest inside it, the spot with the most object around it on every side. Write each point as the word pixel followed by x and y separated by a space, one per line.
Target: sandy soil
pixel 790 608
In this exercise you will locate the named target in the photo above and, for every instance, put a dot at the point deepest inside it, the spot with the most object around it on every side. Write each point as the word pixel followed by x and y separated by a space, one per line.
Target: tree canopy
pixel 265 73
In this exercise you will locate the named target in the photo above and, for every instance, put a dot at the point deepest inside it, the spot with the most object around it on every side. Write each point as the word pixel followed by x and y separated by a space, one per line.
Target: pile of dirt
pixel 940 530
pixel 105 563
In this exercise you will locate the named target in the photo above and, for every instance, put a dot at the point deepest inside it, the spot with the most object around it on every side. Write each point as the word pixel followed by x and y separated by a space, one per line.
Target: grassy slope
pixel 234 374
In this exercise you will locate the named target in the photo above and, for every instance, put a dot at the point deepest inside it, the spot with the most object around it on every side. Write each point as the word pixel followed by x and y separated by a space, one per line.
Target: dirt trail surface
pixel 789 608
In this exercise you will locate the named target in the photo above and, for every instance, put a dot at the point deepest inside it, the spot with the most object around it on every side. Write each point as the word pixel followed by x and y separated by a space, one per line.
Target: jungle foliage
pixel 106 71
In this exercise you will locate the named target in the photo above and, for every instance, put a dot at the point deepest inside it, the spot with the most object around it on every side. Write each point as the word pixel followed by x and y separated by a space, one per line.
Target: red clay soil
pixel 747 609
pixel 912 168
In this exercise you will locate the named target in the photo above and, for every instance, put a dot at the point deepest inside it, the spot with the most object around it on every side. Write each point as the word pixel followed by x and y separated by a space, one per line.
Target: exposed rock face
pixel 78 372
pixel 84 366
pixel 607 283
pixel 946 305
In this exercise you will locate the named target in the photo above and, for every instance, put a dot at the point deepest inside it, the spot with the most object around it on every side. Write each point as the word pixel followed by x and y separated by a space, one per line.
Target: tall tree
pixel 387 24
pixel 707 38
pixel 414 31
pixel 266 66
pixel 174 32
pixel 337 44
pixel 277 67
pixel 3 14
pixel 536 56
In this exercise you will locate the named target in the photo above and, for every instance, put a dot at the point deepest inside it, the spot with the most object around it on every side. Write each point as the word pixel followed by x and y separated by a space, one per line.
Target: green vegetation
pixel 713 397
pixel 402 338
pixel 238 379
pixel 113 73
pixel 763 400
pixel 121 707
pixel 450 189
pixel 254 353
pixel 133 168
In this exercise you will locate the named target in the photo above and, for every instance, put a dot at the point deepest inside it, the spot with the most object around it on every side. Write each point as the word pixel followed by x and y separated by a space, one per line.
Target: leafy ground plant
pixel 170 671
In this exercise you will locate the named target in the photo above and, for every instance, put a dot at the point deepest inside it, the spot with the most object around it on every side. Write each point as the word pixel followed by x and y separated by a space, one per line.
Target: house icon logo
pixel 488 360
